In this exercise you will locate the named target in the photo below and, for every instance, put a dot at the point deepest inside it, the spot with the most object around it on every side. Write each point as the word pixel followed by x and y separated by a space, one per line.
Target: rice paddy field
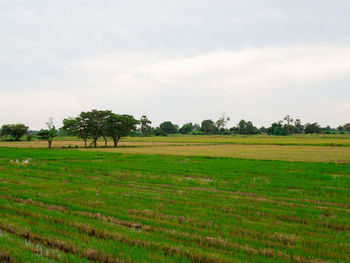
pixel 177 199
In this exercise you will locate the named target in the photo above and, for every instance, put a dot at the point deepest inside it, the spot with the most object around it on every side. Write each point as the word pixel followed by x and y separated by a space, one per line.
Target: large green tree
pixel 95 124
pixel 16 131
pixel 186 128
pixel 76 127
pixel 246 127
pixel 208 127
pixel 168 127
pixel 117 126
pixel 312 128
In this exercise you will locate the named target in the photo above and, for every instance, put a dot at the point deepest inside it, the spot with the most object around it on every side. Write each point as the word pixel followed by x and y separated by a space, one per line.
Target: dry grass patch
pixel 260 152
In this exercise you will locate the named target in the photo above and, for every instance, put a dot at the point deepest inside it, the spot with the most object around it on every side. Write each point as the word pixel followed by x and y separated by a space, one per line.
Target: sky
pixel 180 61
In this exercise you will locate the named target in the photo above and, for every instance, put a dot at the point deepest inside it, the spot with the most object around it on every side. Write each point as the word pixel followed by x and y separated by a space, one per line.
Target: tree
pixel 312 128
pixel 221 122
pixel 298 126
pixel 289 128
pixel 94 121
pixel 49 134
pixel 159 132
pixel 146 129
pixel 168 127
pixel 208 127
pixel 276 129
pixel 76 127
pixel 246 127
pixel 14 130
pixel 117 126
pixel 340 128
pixel 186 128
pixel 347 127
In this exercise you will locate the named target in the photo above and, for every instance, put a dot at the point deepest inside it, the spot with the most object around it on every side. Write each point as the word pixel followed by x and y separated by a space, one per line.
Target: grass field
pixel 314 148
pixel 70 205
pixel 261 152
pixel 302 139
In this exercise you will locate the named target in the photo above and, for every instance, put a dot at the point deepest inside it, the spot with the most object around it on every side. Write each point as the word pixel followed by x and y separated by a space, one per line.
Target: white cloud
pixel 260 84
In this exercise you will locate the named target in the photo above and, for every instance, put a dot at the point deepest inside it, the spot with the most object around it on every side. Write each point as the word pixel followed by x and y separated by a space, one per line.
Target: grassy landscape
pixel 261 152
pixel 174 205
pixel 297 139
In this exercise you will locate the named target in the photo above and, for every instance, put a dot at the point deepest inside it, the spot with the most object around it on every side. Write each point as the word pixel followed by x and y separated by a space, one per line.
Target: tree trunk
pixel 85 143
pixel 105 141
pixel 95 143
pixel 116 140
pixel 50 142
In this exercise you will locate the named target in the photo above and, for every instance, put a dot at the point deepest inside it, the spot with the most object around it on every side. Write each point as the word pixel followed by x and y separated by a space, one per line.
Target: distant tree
pixel 327 130
pixel 234 130
pixel 288 126
pixel 208 127
pixel 340 128
pixel 262 129
pixel 168 127
pixel 118 126
pixel 346 127
pixel 159 132
pixel 246 127
pixel 76 127
pixel 196 127
pixel 242 127
pixel 16 131
pixel 186 128
pixel 49 134
pixel 146 129
pixel 95 123
pixel 299 128
pixel 276 129
pixel 312 128
pixel 221 123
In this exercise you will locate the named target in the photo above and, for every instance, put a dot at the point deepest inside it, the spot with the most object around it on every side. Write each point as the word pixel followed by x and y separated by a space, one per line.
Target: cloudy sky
pixel 183 60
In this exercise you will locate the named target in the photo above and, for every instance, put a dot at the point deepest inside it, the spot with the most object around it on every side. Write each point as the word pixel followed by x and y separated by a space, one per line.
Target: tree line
pixel 286 126
pixel 95 124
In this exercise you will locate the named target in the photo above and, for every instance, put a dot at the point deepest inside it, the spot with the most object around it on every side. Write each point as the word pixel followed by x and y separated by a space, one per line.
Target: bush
pixel 196 133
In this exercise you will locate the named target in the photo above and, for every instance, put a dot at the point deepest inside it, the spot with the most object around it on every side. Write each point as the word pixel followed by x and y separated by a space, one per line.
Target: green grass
pixel 67 205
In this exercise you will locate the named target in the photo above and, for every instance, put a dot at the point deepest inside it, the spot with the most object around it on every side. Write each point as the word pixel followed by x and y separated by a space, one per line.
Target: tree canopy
pixel 168 127
pixel 48 134
pixel 16 131
pixel 98 123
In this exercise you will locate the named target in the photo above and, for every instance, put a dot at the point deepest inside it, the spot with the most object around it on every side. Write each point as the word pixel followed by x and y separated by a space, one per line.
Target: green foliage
pixel 246 127
pixel 94 121
pixel 30 137
pixel 168 127
pixel 208 127
pixel 186 128
pixel 117 126
pixel 16 131
pixel 76 127
pixel 146 129
pixel 312 128
pixel 49 134
pixel 346 127
pixel 276 129
pixel 97 123
pixel 221 123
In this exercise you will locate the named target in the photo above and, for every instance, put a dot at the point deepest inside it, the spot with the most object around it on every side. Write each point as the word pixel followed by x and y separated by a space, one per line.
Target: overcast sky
pixel 183 60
